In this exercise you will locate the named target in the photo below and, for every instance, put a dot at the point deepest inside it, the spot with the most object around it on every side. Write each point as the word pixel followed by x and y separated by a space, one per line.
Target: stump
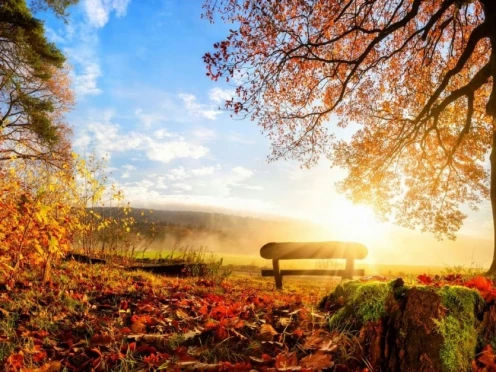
pixel 420 328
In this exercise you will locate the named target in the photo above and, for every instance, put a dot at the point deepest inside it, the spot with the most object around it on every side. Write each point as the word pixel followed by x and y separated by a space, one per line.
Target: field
pixel 255 263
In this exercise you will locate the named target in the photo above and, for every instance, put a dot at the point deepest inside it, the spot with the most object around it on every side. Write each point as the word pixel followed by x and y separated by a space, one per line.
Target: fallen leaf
pixel 317 361
pixel 98 339
pixel 138 327
pixel 267 333
pixel 485 360
pixel 286 360
pixel 55 366
pixel 181 314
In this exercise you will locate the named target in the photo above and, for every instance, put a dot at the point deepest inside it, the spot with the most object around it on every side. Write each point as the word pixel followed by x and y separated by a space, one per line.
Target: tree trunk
pixel 490 13
pixel 492 158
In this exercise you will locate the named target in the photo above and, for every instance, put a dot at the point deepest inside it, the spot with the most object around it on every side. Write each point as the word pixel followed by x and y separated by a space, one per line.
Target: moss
pixel 458 327
pixel 363 302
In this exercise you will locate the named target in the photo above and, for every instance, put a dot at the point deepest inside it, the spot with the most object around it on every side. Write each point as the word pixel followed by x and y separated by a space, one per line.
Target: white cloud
pixel 53 36
pixel 98 11
pixel 255 188
pixel 150 119
pixel 204 133
pixel 128 168
pixel 182 186
pixel 242 173
pixel 180 173
pixel 107 138
pixel 225 182
pixel 163 133
pixel 219 95
pixel 167 151
pixel 83 56
pixel 239 138
pixel 205 171
pixel 198 109
pixel 85 83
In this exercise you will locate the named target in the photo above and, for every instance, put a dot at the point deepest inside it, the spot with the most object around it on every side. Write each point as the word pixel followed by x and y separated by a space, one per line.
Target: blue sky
pixel 142 99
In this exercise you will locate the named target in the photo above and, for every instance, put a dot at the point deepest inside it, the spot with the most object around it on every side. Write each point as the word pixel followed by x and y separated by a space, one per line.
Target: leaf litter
pixel 99 320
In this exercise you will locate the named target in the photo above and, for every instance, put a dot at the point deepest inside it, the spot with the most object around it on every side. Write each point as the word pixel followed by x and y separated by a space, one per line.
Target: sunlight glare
pixel 349 222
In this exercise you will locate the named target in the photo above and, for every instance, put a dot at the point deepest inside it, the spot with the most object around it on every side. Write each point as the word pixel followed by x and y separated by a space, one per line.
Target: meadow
pixel 253 263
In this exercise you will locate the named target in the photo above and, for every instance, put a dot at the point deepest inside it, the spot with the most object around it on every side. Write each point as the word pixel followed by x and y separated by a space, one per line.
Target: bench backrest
pixel 324 250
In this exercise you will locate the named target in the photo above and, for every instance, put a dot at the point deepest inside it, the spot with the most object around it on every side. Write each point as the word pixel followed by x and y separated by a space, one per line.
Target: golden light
pixel 348 222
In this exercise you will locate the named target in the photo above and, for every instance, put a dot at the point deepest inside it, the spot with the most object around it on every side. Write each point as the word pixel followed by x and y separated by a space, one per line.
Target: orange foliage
pixel 36 225
pixel 413 78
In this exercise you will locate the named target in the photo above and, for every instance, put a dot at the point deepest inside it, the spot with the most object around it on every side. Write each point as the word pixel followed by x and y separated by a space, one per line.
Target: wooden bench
pixel 318 250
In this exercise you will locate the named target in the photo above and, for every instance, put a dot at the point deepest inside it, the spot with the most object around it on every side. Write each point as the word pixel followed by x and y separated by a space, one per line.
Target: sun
pixel 348 222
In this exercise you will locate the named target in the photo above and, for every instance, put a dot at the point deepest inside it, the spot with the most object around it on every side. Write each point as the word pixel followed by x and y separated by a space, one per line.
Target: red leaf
pixel 221 333
pixel 424 279
pixel 481 283
pixel 485 360
pixel 39 356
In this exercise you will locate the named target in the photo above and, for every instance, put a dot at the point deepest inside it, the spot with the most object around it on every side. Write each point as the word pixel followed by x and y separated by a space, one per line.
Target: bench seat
pixel 313 250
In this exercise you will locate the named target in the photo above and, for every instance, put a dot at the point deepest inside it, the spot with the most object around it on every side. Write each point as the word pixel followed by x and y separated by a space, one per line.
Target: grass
pixel 246 262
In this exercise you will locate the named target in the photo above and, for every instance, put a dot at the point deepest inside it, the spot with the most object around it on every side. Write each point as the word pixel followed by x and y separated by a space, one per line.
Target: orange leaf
pixel 267 333
pixel 286 360
pixel 317 361
pixel 138 327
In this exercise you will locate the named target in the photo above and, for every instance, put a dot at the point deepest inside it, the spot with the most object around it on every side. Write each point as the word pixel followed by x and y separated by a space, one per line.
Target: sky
pixel 143 101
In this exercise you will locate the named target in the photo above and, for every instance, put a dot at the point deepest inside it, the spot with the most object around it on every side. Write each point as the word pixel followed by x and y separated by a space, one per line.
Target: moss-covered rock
pixel 361 303
pixel 419 328
pixel 459 327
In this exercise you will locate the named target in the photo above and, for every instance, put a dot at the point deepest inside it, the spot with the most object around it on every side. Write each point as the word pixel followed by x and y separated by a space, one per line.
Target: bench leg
pixel 277 274
pixel 350 267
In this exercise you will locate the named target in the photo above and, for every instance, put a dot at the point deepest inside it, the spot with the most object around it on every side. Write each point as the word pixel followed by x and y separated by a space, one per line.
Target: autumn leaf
pixel 98 339
pixel 286 360
pixel 317 361
pixel 266 333
pixel 138 327
pixel 319 340
pixel 181 314
pixel 485 360
pixel 221 333
pixel 39 356
pixel 424 279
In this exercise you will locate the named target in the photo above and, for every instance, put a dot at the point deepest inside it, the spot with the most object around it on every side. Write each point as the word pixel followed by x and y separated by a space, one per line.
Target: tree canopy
pixel 34 85
pixel 415 78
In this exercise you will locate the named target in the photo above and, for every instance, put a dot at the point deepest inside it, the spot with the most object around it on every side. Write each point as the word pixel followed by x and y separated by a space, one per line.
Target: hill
pixel 220 232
